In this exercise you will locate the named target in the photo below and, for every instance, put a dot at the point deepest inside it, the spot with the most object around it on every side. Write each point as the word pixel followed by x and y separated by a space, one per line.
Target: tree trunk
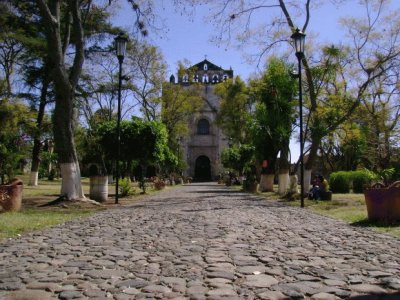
pixel 283 182
pixel 37 146
pixel 63 130
pixel 293 185
pixel 312 154
pixel 71 186
pixel 266 183
pixel 65 81
pixel 307 180
pixel 284 168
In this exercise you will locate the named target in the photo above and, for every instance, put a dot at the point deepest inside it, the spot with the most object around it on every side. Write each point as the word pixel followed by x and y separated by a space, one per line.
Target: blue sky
pixel 189 37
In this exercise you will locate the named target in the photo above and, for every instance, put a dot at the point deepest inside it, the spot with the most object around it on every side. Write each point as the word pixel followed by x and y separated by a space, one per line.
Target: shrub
pixel 340 182
pixel 125 187
pixel 360 179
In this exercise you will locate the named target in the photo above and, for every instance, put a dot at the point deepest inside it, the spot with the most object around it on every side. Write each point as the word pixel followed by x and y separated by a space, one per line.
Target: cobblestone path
pixel 201 241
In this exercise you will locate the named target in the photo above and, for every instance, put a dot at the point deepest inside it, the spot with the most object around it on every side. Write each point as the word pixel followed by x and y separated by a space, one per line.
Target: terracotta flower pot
pixel 11 195
pixel 383 203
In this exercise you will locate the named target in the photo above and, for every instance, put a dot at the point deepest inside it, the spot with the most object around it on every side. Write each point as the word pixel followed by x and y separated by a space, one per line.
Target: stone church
pixel 203 147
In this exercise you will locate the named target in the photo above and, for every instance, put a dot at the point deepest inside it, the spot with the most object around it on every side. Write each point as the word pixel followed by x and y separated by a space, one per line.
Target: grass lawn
pixel 350 208
pixel 32 217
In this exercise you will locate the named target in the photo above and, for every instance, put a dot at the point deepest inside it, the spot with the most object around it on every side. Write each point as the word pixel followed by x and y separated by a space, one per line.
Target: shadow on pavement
pixel 391 296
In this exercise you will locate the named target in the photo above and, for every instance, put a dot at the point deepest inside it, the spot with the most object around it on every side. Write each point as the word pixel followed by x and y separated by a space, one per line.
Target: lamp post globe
pixel 120 46
pixel 298 38
pixel 120 49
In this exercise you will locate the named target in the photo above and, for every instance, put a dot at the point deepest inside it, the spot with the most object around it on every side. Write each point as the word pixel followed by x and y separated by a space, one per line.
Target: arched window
pixel 203 127
pixel 215 79
pixel 205 67
pixel 205 78
pixel 185 78
pixel 225 77
pixel 196 78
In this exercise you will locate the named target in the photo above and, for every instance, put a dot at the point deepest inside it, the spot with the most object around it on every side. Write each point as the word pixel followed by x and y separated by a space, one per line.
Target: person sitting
pixel 324 185
pixel 315 189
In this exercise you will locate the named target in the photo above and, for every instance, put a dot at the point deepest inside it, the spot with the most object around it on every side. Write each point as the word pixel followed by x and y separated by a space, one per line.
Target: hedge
pixel 339 182
pixel 343 181
pixel 360 179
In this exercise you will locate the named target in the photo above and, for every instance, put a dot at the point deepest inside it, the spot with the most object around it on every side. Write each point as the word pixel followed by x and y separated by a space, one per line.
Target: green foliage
pixel 179 103
pixel 15 120
pixel 361 179
pixel 237 157
pixel 340 182
pixel 274 112
pixel 125 187
pixel 234 113
pixel 143 141
pixel 387 175
pixel 47 159
pixel 250 177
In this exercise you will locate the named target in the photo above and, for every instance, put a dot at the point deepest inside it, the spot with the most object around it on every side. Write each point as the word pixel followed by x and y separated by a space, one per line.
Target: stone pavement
pixel 201 241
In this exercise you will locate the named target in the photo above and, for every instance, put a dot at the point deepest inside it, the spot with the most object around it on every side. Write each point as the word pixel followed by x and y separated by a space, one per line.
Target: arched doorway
pixel 202 171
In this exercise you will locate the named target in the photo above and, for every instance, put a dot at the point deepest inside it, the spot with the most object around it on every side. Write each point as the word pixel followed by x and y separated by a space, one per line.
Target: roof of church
pixel 210 65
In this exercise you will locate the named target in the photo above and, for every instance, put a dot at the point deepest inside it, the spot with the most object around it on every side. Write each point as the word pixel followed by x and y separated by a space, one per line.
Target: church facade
pixel 202 148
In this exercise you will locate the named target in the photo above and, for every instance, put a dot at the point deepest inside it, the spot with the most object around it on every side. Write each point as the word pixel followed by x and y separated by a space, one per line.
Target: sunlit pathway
pixel 201 241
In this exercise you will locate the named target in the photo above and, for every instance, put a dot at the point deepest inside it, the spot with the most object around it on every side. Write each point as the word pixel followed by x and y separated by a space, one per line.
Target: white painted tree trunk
pixel 307 181
pixel 293 185
pixel 71 186
pixel 33 178
pixel 283 183
pixel 266 183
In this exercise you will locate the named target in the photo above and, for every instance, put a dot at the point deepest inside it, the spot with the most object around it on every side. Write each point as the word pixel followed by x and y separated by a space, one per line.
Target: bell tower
pixel 204 145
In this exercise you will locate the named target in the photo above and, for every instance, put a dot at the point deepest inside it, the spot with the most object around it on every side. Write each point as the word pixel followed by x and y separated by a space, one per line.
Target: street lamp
pixel 120 48
pixel 298 38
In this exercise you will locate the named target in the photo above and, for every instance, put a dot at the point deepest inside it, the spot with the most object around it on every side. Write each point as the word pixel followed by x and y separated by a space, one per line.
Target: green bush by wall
pixel 359 180
pixel 340 182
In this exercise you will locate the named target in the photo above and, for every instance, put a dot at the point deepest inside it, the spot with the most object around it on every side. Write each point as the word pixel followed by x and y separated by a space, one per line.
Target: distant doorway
pixel 202 171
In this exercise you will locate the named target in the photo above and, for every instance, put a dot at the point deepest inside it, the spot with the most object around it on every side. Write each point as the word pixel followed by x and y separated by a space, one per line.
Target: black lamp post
pixel 120 47
pixel 298 38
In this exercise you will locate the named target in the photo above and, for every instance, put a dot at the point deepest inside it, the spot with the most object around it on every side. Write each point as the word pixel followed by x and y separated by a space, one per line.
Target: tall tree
pixel 63 22
pixel 272 122
pixel 65 81
pixel 148 77
pixel 178 105
pixel 234 113
pixel 26 49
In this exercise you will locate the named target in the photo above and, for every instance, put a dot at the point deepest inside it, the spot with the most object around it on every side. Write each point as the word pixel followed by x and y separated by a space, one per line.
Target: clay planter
pixel 252 187
pixel 11 195
pixel 383 203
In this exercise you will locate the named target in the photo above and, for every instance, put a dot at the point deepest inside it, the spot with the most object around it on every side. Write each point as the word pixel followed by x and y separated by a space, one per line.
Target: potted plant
pixel 11 195
pixel 159 183
pixel 250 184
pixel 383 200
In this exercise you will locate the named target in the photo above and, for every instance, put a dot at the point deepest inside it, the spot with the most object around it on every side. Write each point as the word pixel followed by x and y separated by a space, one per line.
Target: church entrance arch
pixel 202 171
